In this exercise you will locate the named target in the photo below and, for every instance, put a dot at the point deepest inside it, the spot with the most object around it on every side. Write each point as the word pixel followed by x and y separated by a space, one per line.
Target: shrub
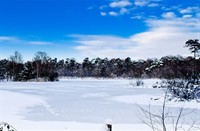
pixel 137 82
pixel 183 90
pixel 53 76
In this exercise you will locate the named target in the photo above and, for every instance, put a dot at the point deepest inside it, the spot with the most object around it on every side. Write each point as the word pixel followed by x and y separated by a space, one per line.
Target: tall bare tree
pixel 40 58
pixel 16 65
pixel 158 121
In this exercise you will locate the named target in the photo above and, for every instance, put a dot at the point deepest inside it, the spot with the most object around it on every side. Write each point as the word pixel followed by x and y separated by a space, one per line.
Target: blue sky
pixel 98 28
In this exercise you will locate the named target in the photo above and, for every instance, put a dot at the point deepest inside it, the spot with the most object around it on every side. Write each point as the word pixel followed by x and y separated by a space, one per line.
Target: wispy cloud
pixel 164 37
pixel 16 40
pixel 7 38
pixel 187 16
pixel 189 10
pixel 28 47
pixel 102 45
pixel 40 43
pixel 139 17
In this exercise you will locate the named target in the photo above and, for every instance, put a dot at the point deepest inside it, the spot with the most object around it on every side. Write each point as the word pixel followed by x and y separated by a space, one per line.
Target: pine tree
pixel 194 47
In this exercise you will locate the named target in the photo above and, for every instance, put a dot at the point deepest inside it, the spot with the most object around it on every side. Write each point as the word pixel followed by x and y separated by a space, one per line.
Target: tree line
pixel 49 69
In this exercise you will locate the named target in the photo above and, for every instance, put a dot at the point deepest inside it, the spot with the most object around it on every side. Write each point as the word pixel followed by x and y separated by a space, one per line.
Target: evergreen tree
pixel 27 73
pixel 194 47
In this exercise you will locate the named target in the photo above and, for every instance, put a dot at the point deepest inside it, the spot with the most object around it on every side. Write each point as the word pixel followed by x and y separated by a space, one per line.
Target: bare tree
pixel 158 121
pixel 40 58
pixel 17 57
pixel 15 65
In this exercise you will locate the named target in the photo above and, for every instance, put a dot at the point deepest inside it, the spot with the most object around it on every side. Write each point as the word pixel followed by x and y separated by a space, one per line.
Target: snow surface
pixel 82 104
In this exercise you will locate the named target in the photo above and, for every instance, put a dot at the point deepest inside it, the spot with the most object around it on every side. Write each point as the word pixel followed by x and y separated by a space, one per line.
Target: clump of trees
pixel 41 68
pixel 49 69
pixel 190 89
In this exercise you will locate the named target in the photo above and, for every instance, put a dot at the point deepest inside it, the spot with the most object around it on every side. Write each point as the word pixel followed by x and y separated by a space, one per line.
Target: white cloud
pixel 185 11
pixel 169 15
pixel 113 13
pixel 164 37
pixel 103 13
pixel 153 5
pixel 121 11
pixel 189 10
pixel 124 11
pixel 149 3
pixel 123 7
pixel 187 16
pixel 187 24
pixel 141 2
pixel 120 4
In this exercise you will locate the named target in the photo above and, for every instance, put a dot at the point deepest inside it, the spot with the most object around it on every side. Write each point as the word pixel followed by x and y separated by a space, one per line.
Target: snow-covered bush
pixel 137 82
pixel 160 84
pixel 6 127
pixel 183 90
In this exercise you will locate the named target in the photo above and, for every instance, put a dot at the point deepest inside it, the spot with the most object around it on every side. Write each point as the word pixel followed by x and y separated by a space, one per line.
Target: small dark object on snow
pixel 108 123
pixel 109 127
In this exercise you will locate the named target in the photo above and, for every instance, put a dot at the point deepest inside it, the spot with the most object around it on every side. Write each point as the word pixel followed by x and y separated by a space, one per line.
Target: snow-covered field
pixel 82 104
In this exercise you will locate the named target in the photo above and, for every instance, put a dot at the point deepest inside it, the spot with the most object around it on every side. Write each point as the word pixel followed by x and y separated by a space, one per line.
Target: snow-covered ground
pixel 82 104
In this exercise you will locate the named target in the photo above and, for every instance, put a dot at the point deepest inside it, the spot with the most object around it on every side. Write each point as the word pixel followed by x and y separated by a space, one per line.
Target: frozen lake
pixel 80 101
